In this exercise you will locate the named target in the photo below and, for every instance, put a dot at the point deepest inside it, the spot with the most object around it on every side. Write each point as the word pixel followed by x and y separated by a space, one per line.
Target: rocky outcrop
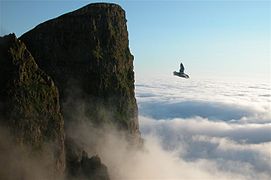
pixel 80 166
pixel 29 102
pixel 86 52
pixel 85 55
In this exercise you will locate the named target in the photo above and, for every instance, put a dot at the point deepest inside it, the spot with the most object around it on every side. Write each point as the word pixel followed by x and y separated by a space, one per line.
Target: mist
pixel 187 156
pixel 22 162
pixel 191 130
pixel 189 133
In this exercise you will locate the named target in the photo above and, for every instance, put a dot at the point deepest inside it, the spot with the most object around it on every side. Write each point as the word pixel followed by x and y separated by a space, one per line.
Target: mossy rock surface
pixel 29 101
pixel 86 52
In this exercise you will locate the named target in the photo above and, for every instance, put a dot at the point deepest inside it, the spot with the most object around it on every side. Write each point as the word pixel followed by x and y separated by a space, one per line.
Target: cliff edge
pixel 29 103
pixel 86 52
pixel 80 70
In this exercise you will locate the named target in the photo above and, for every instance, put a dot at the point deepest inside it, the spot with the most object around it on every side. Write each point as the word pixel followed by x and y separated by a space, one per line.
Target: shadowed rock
pixel 29 101
pixel 86 52
pixel 80 166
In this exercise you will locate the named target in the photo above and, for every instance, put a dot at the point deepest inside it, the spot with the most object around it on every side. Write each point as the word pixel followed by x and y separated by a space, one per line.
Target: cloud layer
pixel 217 124
pixel 192 129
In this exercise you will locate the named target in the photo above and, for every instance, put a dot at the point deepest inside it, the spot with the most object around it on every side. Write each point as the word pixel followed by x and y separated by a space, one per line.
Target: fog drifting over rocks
pixel 193 129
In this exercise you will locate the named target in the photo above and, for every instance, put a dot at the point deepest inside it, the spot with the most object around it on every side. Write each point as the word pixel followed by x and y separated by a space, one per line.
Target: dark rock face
pixel 93 168
pixel 86 53
pixel 80 166
pixel 29 101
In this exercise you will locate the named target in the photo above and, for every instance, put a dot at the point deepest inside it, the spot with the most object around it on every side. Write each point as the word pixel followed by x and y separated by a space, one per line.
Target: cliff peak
pixel 87 54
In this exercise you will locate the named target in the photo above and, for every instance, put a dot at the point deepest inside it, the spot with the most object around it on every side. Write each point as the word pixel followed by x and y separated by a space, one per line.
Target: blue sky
pixel 212 38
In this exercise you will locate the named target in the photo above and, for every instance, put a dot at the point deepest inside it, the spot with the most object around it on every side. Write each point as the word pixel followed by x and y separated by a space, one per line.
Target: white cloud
pixel 222 127
pixel 170 89
pixel 187 160
pixel 233 149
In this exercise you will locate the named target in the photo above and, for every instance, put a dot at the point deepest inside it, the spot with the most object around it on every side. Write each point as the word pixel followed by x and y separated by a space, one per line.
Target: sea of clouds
pixel 206 129
pixel 192 129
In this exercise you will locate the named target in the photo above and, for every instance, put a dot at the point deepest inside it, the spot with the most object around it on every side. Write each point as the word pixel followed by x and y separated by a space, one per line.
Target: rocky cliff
pixel 86 52
pixel 29 102
pixel 87 75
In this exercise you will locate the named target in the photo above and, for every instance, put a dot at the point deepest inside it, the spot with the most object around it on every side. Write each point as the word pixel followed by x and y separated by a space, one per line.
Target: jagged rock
pixel 29 101
pixel 86 52
pixel 80 166
pixel 93 168
pixel 73 157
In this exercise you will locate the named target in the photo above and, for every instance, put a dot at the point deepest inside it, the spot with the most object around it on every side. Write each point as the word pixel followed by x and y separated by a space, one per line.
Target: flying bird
pixel 181 72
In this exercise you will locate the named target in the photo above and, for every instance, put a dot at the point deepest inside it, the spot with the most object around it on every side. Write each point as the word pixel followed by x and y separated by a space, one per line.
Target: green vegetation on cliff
pixel 86 52
pixel 85 55
pixel 29 101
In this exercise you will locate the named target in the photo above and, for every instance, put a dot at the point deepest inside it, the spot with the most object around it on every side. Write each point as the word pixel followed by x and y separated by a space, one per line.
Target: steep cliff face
pixel 29 101
pixel 86 52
